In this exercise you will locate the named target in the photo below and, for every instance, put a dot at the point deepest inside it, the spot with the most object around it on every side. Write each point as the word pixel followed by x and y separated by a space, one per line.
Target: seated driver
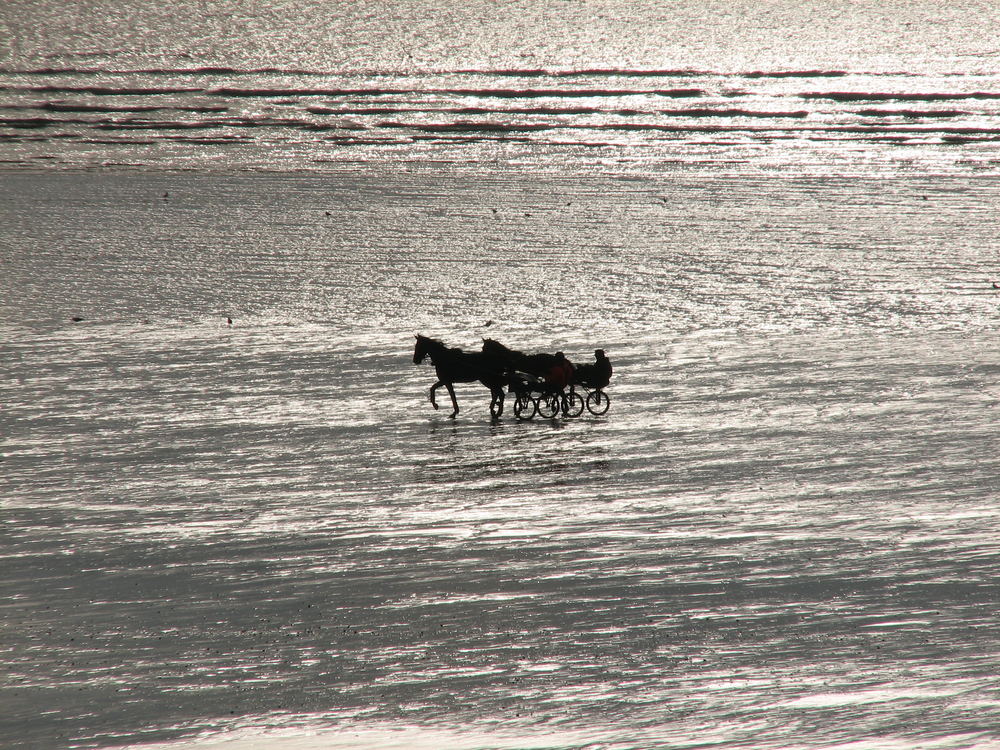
pixel 603 369
pixel 560 374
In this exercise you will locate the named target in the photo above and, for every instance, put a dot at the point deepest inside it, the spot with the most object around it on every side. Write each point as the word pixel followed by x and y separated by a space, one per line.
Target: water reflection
pixel 680 557
pixel 270 522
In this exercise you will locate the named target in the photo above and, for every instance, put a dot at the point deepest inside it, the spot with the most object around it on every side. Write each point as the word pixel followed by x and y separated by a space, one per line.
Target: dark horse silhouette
pixel 540 364
pixel 533 364
pixel 456 366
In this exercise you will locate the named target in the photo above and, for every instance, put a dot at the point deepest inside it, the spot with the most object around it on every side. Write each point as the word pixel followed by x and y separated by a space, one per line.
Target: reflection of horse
pixel 452 365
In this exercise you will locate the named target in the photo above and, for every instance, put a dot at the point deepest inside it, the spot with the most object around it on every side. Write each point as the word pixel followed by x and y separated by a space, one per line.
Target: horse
pixel 539 364
pixel 533 364
pixel 453 365
pixel 588 375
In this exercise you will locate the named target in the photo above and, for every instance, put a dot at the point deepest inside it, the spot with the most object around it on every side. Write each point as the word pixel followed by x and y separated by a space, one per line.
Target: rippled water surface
pixel 303 84
pixel 783 533
pixel 232 519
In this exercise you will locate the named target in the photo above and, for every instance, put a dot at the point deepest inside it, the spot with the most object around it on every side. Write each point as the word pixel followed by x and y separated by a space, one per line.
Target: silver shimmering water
pixel 784 532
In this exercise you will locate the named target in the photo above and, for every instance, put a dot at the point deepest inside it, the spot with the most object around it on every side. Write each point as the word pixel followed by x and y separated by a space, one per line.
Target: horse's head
pixel 420 350
pixel 492 346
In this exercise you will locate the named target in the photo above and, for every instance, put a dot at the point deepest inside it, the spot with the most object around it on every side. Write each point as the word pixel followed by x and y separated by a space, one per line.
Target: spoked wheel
pixel 525 407
pixel 548 405
pixel 598 402
pixel 574 404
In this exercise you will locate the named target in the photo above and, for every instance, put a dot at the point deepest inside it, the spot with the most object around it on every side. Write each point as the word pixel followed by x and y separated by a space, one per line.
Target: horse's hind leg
pixel 496 405
pixel 454 401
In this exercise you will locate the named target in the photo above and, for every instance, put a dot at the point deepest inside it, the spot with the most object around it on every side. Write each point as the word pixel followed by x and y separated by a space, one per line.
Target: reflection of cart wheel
pixel 525 407
pixel 574 405
pixel 598 402
pixel 548 405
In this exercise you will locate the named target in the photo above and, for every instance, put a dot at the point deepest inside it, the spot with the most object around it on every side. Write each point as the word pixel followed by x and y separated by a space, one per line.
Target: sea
pixel 231 518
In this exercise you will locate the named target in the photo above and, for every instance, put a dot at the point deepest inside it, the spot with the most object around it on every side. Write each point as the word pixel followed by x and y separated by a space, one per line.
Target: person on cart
pixel 602 369
pixel 560 375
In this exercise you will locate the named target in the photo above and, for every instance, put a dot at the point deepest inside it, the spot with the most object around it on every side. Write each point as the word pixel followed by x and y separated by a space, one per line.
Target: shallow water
pixel 783 533
pixel 779 221
pixel 305 84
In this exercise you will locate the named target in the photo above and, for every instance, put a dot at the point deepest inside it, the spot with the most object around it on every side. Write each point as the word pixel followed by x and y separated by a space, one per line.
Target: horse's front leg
pixel 434 388
pixel 454 401
pixel 496 405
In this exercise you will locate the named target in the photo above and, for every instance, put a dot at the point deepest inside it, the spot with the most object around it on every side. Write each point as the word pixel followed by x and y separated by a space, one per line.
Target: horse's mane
pixel 438 343
pixel 497 347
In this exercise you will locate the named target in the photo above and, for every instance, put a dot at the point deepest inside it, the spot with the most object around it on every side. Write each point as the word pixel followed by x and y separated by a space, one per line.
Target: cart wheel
pixel 548 405
pixel 525 407
pixel 574 404
pixel 598 402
